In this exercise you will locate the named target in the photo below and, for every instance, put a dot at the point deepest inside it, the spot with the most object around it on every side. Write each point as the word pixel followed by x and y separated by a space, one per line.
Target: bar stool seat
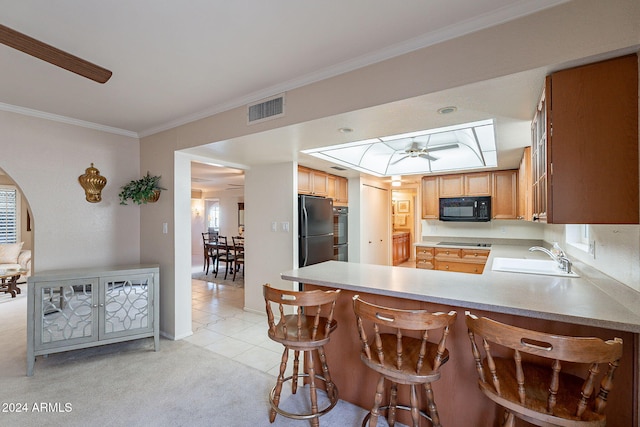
pixel 400 351
pixel 533 375
pixel 307 330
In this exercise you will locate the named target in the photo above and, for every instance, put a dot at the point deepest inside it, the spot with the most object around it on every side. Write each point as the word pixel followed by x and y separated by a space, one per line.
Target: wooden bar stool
pixel 531 384
pixel 306 330
pixel 400 351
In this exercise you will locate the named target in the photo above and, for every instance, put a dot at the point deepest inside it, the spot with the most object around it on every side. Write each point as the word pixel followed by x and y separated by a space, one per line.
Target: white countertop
pixel 592 299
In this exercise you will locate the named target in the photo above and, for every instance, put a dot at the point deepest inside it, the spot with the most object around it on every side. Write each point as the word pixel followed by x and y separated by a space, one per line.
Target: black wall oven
pixel 340 230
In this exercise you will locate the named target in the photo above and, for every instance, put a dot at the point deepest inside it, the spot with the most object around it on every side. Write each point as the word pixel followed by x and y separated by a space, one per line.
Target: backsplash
pixel 617 247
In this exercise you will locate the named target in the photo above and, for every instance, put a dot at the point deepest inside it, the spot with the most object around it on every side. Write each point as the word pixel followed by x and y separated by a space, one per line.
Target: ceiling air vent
pixel 266 109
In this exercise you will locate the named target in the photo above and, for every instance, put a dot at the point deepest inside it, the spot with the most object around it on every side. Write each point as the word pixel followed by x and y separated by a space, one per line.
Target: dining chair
pixel 238 254
pixel 224 254
pixel 209 241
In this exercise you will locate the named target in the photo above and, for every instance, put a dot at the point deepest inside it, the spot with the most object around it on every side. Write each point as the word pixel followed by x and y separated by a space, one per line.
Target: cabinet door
pixel 451 185
pixel 430 202
pixel 66 313
pixel 332 188
pixel 525 210
pixel 593 145
pixel 127 305
pixel 342 190
pixel 305 183
pixel 375 226
pixel 477 184
pixel 504 203
pixel 320 183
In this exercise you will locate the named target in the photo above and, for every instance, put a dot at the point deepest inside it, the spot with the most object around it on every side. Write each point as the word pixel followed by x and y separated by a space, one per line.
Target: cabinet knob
pixel 446 267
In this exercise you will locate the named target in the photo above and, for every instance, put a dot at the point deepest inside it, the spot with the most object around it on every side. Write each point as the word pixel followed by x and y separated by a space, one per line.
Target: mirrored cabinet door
pixel 66 311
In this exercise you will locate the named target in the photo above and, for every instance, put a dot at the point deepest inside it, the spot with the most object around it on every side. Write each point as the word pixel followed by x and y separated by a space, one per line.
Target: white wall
pixel 495 229
pixel 617 250
pixel 45 159
pixel 269 253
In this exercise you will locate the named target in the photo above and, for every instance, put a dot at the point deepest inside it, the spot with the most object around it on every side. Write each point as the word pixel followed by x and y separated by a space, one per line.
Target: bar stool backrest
pixel 531 382
pixel 399 322
pixel 312 320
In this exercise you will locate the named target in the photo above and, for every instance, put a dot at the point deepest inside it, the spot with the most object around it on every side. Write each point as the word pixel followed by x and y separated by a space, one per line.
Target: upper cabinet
pixel 502 186
pixel 318 183
pixel 468 184
pixel 430 196
pixel 338 190
pixel 312 182
pixel 525 186
pixel 585 157
pixel 504 200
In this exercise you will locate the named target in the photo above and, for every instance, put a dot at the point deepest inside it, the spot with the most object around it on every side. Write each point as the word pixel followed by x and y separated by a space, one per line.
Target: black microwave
pixel 473 209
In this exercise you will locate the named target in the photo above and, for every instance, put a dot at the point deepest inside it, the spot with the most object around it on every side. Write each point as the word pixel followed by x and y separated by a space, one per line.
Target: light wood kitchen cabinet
pixel 525 200
pixel 467 184
pixel 591 165
pixel 451 185
pixel 313 182
pixel 337 189
pixel 504 200
pixel 424 257
pixel 430 198
pixel 460 260
pixel 401 247
pixel 477 184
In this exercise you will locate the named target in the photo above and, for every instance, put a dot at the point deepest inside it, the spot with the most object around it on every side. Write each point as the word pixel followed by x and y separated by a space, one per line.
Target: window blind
pixel 8 215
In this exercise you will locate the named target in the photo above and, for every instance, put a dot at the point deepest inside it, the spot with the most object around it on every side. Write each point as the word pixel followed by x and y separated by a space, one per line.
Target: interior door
pixel 375 225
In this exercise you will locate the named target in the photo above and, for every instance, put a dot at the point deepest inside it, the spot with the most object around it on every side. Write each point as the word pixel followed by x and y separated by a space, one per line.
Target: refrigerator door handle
pixel 303 231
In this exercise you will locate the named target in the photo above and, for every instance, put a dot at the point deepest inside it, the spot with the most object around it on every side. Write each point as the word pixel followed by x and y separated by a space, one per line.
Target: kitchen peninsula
pixel 591 305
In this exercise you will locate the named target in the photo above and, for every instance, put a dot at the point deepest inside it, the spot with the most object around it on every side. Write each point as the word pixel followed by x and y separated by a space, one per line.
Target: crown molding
pixel 68 120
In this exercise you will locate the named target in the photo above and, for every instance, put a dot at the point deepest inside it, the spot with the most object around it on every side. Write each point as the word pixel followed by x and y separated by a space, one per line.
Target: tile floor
pixel 221 325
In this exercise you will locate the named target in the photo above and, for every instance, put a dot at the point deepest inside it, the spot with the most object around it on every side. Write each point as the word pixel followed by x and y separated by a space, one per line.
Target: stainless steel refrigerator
pixel 315 227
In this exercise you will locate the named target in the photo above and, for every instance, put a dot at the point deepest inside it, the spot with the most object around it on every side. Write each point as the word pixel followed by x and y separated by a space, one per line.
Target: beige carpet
pixel 129 384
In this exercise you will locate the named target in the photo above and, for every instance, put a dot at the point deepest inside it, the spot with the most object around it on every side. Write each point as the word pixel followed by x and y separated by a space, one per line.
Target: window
pixel 9 214
pixel 213 217
pixel 578 236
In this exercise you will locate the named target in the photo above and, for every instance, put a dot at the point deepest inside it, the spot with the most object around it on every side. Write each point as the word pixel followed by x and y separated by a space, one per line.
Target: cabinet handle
pixel 446 267
pixel 447 252
pixel 95 306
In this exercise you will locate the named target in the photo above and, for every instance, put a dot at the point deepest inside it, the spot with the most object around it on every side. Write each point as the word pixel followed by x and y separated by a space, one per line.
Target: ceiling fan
pixel 52 55
pixel 414 150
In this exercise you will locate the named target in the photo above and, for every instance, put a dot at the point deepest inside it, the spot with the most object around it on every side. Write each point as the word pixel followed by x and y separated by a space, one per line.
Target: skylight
pixel 459 147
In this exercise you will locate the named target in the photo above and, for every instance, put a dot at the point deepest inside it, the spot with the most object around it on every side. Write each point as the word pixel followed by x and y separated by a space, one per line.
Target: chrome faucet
pixel 563 262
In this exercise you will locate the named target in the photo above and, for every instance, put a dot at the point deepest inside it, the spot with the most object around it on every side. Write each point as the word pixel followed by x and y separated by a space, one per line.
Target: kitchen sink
pixel 530 266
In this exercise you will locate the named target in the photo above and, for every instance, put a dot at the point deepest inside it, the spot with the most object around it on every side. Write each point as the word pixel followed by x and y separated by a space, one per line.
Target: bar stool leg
pixel 509 419
pixel 431 404
pixel 375 411
pixel 325 372
pixel 393 402
pixel 296 366
pixel 278 387
pixel 312 390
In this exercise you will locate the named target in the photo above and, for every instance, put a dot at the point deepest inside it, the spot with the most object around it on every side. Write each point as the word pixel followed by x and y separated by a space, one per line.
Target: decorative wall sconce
pixel 93 183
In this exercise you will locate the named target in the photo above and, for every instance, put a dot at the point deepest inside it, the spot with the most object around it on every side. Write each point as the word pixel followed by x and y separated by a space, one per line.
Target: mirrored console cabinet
pixel 73 309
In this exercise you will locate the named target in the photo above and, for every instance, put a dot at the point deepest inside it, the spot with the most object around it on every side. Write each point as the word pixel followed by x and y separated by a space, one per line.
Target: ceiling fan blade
pixel 427 156
pixel 401 158
pixel 52 55
pixel 440 147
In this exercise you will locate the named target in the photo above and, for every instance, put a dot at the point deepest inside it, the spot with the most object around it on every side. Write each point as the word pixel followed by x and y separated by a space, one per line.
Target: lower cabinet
pixel 424 257
pixel 401 247
pixel 451 259
pixel 73 309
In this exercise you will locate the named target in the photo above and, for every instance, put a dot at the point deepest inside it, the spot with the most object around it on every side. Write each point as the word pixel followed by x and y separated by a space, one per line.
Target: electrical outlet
pixel 284 225
pixel 274 226
pixel 592 248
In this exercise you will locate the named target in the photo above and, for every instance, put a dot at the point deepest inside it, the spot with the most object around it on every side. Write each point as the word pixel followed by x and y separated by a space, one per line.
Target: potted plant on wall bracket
pixel 144 190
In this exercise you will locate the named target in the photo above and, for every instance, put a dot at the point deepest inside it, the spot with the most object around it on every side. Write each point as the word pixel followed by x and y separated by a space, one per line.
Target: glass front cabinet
pixel 74 309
